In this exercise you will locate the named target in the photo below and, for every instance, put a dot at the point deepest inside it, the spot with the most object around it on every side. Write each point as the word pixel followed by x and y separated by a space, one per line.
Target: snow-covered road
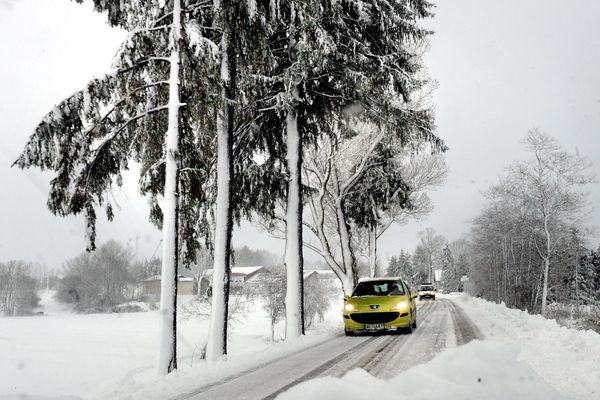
pixel 441 324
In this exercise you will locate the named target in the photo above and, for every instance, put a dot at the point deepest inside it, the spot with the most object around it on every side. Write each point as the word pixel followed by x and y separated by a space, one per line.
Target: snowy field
pixel 65 355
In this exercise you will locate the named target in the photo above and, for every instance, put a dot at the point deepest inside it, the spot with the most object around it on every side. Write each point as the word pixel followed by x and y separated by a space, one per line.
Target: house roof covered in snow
pixel 238 270
pixel 180 278
pixel 245 270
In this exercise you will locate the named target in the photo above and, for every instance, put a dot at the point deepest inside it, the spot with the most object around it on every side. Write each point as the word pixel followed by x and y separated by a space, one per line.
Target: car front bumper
pixel 402 321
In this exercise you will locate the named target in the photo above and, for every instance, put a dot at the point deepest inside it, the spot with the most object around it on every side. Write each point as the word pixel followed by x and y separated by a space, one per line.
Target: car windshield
pixel 426 288
pixel 378 288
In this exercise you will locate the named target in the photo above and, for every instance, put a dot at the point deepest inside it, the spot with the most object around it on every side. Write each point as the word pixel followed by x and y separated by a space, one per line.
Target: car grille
pixel 374 318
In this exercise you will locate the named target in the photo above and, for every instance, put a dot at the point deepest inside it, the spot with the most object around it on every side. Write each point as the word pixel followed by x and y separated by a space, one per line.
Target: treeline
pixel 434 252
pixel 19 281
pixel 101 280
pixel 528 245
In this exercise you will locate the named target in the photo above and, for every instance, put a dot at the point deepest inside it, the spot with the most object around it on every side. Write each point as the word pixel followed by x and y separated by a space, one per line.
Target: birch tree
pixel 18 288
pixel 551 184
pixel 429 251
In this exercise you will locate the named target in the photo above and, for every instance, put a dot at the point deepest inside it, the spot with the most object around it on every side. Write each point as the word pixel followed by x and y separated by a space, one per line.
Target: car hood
pixel 383 303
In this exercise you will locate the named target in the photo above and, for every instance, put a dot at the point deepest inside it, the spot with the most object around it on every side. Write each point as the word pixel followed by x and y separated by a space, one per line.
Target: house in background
pixel 185 286
pixel 240 276
pixel 244 275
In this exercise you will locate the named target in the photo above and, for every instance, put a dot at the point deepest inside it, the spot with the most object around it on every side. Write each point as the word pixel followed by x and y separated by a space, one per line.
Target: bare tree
pixel 550 185
pixel 504 261
pixel 17 288
pixel 272 291
pixel 98 280
pixel 428 253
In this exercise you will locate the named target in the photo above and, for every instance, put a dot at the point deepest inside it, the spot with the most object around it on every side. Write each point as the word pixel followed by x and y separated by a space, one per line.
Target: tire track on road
pixel 362 359
pixel 204 388
pixel 465 329
pixel 338 354
pixel 416 347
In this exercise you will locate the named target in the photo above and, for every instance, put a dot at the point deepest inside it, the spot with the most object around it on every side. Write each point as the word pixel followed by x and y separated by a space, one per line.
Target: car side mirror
pixel 413 295
pixel 346 297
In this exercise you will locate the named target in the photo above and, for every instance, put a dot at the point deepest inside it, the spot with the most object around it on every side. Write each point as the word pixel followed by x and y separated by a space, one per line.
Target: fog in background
pixel 502 68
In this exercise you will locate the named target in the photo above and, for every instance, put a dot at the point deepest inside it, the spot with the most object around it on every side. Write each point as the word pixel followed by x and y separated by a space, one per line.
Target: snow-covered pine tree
pixel 284 75
pixel 226 12
pixel 245 67
pixel 363 53
pixel 294 104
pixel 380 187
pixel 151 109
pixel 588 282
pixel 350 57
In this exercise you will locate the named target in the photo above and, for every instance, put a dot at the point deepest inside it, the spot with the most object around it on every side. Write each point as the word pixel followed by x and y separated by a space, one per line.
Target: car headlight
pixel 349 307
pixel 403 305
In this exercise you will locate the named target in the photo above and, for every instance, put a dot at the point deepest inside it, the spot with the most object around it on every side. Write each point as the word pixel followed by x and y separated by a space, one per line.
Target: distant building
pixel 185 286
pixel 243 275
pixel 240 276
pixel 325 274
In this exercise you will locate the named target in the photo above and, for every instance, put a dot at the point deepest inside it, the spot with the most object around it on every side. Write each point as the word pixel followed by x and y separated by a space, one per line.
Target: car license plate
pixel 374 327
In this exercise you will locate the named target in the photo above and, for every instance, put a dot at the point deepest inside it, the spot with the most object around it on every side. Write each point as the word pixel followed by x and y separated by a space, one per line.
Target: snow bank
pixel 566 358
pixel 479 370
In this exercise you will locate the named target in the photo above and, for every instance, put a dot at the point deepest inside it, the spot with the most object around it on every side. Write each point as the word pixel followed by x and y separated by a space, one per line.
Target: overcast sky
pixel 503 67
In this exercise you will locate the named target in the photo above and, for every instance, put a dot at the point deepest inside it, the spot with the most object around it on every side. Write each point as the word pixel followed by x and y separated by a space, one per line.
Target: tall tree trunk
pixel 546 259
pixel 167 356
pixel 545 285
pixel 217 336
pixel 294 305
pixel 373 250
pixel 348 258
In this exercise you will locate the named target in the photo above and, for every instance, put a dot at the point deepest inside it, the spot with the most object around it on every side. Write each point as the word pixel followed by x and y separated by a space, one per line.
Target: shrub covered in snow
pixel 576 316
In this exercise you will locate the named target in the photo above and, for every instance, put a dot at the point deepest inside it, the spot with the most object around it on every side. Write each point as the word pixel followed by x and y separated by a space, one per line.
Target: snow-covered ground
pixel 523 357
pixel 478 370
pixel 567 359
pixel 65 355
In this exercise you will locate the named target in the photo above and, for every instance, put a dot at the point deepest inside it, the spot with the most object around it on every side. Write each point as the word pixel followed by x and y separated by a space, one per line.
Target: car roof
pixel 380 278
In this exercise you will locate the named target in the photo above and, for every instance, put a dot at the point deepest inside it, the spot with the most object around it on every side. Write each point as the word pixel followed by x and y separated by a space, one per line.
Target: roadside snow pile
pixel 479 370
pixel 566 358
pixel 132 306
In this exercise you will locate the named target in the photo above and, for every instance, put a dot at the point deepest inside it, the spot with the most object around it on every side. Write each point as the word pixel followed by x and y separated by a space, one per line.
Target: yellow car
pixel 380 305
